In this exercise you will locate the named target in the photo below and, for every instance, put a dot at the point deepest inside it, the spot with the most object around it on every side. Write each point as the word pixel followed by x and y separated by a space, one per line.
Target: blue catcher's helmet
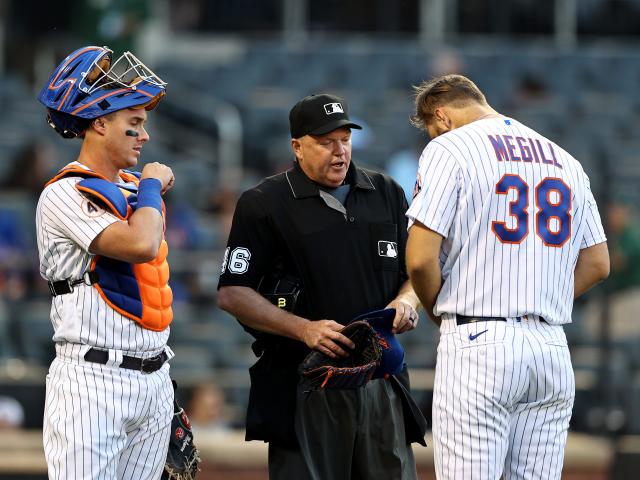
pixel 89 84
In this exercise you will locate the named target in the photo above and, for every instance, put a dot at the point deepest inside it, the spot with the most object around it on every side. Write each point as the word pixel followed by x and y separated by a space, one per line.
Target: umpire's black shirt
pixel 349 258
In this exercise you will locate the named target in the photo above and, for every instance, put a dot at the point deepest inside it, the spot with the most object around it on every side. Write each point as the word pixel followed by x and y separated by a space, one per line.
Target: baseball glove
pixel 320 371
pixel 183 456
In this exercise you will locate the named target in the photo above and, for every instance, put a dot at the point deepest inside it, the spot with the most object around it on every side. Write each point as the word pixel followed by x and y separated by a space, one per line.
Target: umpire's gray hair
pixel 455 90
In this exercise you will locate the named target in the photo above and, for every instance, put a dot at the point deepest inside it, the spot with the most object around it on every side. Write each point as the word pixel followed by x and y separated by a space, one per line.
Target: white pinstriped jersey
pixel 514 210
pixel 67 223
pixel 100 421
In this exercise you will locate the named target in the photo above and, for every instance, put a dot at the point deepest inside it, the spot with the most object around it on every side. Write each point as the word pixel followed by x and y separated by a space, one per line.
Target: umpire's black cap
pixel 319 114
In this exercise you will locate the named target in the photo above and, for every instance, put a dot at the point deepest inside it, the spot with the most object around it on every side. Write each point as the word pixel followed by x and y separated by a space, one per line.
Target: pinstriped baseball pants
pixel 105 422
pixel 502 402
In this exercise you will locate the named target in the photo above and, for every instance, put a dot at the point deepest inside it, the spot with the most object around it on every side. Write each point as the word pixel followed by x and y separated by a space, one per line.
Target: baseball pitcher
pixel 504 233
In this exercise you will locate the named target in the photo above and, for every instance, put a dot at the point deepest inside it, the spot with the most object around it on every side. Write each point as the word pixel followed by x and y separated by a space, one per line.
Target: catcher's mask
pixel 89 84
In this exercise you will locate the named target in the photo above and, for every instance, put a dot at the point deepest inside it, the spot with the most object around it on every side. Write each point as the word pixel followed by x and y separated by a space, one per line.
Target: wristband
pixel 149 194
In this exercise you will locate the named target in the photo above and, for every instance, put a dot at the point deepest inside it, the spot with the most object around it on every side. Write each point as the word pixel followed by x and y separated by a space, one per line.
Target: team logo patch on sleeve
pixel 418 186
pixel 91 209
pixel 387 249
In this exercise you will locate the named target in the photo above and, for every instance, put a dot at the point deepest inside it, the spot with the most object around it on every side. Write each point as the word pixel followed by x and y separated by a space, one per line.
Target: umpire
pixel 325 241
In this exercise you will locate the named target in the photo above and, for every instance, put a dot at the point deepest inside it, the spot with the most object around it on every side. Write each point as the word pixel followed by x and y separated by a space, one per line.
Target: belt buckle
pixel 53 287
pixel 150 365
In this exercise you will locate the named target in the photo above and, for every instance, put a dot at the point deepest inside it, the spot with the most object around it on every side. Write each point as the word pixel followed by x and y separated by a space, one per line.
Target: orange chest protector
pixel 140 292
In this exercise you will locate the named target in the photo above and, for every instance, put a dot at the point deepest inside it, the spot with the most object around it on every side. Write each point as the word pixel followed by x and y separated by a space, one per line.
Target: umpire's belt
pixel 463 319
pixel 145 365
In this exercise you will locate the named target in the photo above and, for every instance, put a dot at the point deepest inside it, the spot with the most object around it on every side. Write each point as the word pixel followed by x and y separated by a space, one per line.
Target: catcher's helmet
pixel 89 84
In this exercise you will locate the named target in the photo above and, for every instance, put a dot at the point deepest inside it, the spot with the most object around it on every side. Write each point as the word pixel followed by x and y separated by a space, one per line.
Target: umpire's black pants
pixel 346 435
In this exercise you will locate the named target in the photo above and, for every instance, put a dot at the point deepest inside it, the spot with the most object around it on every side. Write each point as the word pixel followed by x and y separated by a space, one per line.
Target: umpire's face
pixel 325 158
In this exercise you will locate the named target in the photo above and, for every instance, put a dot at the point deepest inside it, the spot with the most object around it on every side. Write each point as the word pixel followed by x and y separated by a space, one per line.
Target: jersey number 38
pixel 553 216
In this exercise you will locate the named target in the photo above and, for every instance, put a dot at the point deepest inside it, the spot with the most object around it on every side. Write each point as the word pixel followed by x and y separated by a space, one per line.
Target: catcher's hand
pixel 321 371
pixel 183 456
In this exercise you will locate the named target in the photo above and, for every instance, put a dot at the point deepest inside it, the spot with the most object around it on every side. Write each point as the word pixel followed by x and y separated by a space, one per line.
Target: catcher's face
pixel 124 148
pixel 325 159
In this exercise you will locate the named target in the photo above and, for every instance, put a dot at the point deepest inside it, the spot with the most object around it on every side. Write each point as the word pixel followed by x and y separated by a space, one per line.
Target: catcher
pixel 102 251
pixel 325 242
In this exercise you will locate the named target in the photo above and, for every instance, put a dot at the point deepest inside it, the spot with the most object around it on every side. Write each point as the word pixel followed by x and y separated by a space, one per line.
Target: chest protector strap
pixel 140 292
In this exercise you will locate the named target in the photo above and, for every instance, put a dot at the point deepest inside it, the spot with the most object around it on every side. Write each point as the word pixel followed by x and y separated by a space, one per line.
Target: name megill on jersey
pixel 523 149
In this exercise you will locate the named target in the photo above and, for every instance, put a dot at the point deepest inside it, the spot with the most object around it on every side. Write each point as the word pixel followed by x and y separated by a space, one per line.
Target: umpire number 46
pixel 238 260
pixel 553 217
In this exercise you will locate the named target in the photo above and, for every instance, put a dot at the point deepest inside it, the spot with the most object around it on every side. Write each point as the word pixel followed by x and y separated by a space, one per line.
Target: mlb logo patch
pixel 387 249
pixel 330 108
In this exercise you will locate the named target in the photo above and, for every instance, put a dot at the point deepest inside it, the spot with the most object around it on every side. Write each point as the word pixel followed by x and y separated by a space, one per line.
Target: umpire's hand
pixel 324 336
